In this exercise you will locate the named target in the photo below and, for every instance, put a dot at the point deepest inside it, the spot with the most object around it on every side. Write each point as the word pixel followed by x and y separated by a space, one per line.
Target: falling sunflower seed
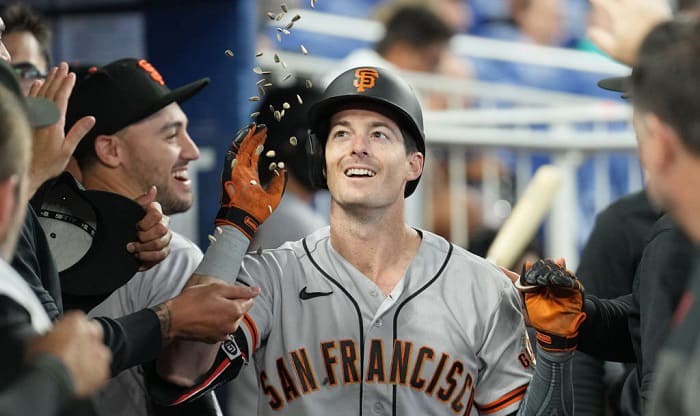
pixel 212 238
pixel 229 53
pixel 258 70
pixel 272 166
pixel 309 84
pixel 278 115
pixel 267 85
pixel 284 8
pixel 299 99
pixel 293 140
pixel 286 106
pixel 272 108
pixel 261 90
pixel 282 113
pixel 234 162
pixel 271 15
pixel 276 58
pixel 270 208
pixel 303 50
pixel 286 77
pixel 255 114
pixel 284 64
pixel 219 230
pixel 254 98
pixel 260 81
pixel 265 72
pixel 280 165
pixel 279 16
pixel 259 149
pixel 270 153
pixel 296 18
pixel 259 54
pixel 253 182
pixel 289 25
pixel 279 38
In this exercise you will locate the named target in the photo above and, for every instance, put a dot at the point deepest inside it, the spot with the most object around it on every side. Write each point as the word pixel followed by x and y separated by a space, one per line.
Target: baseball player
pixel 369 315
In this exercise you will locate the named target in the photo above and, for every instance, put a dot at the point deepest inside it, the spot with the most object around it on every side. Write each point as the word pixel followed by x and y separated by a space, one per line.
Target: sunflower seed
pixel 272 109
pixel 261 90
pixel 284 64
pixel 285 105
pixel 309 84
pixel 229 53
pixel 289 25
pixel 270 153
pixel 296 18
pixel 259 54
pixel 219 230
pixel 278 115
pixel 253 182
pixel 270 208
pixel 303 50
pixel 272 166
pixel 255 114
pixel 279 38
pixel 254 98
pixel 258 70
pixel 259 252
pixel 271 15
pixel 299 99
pixel 284 8
pixel 260 81
pixel 286 32
pixel 259 149
pixel 267 85
pixel 293 140
pixel 282 113
pixel 280 165
pixel 234 162
pixel 212 238
pixel 276 58
pixel 286 77
pixel 265 72
pixel 279 16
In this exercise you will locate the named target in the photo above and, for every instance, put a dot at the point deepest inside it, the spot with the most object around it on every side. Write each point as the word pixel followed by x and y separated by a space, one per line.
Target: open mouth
pixel 359 173
pixel 181 175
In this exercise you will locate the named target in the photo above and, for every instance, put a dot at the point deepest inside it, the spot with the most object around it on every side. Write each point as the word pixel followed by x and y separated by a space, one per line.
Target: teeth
pixel 359 172
pixel 181 174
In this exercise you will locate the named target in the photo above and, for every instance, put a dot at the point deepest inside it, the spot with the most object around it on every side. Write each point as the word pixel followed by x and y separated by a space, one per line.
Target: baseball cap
pixel 40 111
pixel 87 232
pixel 618 84
pixel 122 93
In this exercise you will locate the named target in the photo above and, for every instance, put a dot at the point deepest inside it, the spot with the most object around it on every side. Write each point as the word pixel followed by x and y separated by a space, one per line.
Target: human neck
pixel 111 180
pixel 685 209
pixel 381 246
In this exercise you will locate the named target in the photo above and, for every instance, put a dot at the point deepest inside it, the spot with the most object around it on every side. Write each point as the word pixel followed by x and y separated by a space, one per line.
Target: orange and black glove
pixel 245 204
pixel 554 304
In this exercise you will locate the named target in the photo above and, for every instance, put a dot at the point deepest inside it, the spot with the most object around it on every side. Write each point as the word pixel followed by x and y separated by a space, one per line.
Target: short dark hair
pixel 418 26
pixel 15 136
pixel 666 78
pixel 19 17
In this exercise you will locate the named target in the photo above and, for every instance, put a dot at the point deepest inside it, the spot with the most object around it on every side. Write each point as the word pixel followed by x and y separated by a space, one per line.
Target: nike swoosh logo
pixel 304 295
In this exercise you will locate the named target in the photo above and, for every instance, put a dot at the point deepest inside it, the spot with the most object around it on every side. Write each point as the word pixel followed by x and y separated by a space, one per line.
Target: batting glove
pixel 245 204
pixel 554 304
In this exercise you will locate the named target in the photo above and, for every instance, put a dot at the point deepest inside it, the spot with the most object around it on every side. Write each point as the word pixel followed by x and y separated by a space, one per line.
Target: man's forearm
pixel 551 390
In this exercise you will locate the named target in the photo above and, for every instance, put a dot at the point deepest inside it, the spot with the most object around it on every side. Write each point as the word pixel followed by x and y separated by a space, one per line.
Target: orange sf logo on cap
pixel 146 66
pixel 365 79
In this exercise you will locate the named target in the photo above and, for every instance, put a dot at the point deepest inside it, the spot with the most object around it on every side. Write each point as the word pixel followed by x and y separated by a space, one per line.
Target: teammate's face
pixel 366 160
pixel 157 152
pixel 648 157
pixel 25 50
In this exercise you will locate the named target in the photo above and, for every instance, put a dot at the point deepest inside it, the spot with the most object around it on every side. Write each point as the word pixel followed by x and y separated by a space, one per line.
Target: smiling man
pixel 369 315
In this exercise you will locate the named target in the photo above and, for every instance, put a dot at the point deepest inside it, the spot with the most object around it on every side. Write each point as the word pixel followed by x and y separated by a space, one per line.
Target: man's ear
pixel 664 144
pixel 415 165
pixel 8 187
pixel 107 150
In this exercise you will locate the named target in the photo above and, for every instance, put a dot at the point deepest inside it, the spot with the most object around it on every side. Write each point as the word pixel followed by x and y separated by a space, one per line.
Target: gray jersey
pixel 448 340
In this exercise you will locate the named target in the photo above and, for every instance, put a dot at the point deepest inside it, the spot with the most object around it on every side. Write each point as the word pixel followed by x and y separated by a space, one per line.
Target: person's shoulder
pixel 635 205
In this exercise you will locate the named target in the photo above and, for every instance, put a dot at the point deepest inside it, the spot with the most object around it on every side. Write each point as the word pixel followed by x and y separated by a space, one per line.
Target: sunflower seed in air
pixel 234 162
pixel 296 18
pixel 253 182
pixel 270 208
pixel 299 99
pixel 270 153
pixel 219 230
pixel 303 50
pixel 284 8
pixel 272 166
pixel 258 70
pixel 286 77
pixel 259 54
pixel 279 16
pixel 254 98
pixel 272 109
pixel 276 58
pixel 282 113
pixel 259 149
pixel 293 140
pixel 279 38
pixel 289 25
pixel 284 64
pixel 280 165
pixel 309 84
pixel 271 15
pixel 285 105
pixel 267 85
pixel 255 114
pixel 229 53
pixel 212 238
pixel 278 115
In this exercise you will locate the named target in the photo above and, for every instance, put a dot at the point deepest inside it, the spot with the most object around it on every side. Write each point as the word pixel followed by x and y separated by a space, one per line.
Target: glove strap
pixel 239 219
pixel 556 343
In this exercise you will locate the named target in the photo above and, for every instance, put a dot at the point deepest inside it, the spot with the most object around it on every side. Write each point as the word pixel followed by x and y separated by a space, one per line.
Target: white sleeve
pixel 506 358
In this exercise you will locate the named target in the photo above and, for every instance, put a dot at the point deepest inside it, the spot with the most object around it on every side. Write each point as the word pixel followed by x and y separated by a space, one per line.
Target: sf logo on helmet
pixel 365 79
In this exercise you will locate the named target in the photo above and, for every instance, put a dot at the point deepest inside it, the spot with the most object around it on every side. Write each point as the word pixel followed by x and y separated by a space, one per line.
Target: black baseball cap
pixel 119 94
pixel 40 111
pixel 622 85
pixel 87 232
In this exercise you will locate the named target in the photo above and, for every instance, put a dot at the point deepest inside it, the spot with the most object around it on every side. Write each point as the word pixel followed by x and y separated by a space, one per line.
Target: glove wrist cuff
pixel 556 343
pixel 239 219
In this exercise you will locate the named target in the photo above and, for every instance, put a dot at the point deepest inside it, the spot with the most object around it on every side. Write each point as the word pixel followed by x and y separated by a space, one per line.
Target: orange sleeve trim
pixel 504 401
pixel 253 329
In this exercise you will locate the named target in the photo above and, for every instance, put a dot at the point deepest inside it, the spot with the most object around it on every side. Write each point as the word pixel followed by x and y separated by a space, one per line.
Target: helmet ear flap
pixel 315 151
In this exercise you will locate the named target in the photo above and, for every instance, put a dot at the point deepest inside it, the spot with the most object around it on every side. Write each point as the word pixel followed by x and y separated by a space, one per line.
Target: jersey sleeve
pixel 506 358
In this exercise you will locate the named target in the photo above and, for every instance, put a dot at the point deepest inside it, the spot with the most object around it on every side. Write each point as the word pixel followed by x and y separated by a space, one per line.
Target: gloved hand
pixel 244 202
pixel 554 304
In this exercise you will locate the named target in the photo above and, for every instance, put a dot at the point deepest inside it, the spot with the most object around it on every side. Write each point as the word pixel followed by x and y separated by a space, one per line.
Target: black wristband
pixel 551 342
pixel 239 219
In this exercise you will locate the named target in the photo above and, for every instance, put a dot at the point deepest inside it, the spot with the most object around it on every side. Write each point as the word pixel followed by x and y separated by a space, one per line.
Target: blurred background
pixel 506 86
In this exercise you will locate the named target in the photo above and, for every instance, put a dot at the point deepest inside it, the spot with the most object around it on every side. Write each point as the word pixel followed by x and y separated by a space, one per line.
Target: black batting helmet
pixel 371 88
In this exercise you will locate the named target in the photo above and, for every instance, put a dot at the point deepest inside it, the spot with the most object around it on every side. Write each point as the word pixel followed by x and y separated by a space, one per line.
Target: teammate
pixel 369 315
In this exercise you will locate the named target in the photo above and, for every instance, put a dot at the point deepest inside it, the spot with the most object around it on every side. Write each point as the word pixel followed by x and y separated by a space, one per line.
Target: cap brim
pixel 616 84
pixel 188 91
pixel 41 112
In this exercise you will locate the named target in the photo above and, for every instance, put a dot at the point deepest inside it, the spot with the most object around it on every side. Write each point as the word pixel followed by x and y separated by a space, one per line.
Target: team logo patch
pixel 365 79
pixel 231 349
pixel 150 70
